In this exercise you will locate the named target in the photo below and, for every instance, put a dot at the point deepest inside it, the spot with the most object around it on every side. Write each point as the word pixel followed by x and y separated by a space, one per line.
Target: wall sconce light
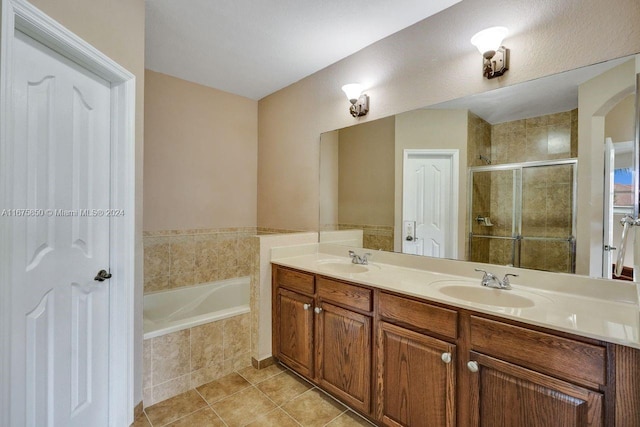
pixel 359 101
pixel 496 56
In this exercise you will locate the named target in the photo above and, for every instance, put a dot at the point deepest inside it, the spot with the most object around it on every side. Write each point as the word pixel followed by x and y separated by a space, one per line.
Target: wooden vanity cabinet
pixel 295 331
pixel 524 377
pixel 435 365
pixel 343 355
pixel 293 320
pixel 325 333
pixel 344 341
pixel 505 394
pixel 416 372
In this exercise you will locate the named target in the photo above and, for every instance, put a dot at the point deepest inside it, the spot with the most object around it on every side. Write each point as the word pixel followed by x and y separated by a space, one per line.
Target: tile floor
pixel 272 396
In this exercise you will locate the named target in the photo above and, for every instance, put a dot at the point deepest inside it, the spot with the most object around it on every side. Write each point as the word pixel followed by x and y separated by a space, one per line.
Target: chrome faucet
pixel 357 259
pixel 490 280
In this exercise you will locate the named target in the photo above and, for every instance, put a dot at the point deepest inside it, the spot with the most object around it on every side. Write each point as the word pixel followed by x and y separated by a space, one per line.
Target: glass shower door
pixel 523 214
pixel 493 212
pixel 547 221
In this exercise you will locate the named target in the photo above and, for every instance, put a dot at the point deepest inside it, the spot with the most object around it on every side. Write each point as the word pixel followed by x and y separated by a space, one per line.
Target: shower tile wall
pixel 501 215
pixel 478 140
pixel 176 258
pixel 479 144
pixel 554 136
pixel 546 212
pixel 546 191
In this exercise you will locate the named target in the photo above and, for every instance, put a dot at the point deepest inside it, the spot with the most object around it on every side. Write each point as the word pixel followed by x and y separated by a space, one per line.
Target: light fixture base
pixel 360 107
pixel 498 64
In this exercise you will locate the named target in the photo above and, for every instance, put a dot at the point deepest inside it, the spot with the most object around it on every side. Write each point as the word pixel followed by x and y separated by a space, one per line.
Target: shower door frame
pixel 516 227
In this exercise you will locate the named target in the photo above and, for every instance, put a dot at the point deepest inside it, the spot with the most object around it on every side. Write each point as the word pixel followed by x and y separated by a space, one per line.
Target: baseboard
pixel 261 364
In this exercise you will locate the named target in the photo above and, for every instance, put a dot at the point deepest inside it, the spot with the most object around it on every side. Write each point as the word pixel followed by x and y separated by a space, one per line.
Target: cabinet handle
pixel 473 366
pixel 306 306
pixel 317 310
pixel 446 357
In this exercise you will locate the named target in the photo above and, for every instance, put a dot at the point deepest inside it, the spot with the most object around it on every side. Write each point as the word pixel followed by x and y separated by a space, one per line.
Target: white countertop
pixel 588 313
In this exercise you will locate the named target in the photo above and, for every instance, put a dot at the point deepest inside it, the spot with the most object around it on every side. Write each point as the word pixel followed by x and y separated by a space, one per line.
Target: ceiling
pixel 253 48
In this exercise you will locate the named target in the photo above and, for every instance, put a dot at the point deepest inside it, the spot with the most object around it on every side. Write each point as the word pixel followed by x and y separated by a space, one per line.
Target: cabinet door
pixel 503 394
pixel 416 379
pixel 344 355
pixel 295 331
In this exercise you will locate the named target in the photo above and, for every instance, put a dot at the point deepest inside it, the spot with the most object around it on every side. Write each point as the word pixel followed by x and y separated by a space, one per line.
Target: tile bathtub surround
pixel 273 396
pixel 182 360
pixel 176 258
pixel 209 253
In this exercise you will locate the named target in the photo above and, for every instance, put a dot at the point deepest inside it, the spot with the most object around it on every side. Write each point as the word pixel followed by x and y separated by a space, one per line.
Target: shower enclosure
pixel 523 214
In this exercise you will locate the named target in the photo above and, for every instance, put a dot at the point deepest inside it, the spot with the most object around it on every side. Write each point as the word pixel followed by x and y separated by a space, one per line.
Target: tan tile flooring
pixel 272 396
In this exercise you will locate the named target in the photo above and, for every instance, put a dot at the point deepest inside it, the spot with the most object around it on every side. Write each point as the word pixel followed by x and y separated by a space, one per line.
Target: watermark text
pixel 93 213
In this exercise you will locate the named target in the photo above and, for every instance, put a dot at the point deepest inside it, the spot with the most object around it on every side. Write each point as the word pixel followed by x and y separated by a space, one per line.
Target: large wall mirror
pixel 535 175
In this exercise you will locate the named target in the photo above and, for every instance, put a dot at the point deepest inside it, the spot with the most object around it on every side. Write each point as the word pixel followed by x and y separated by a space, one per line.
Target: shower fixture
pixel 485 159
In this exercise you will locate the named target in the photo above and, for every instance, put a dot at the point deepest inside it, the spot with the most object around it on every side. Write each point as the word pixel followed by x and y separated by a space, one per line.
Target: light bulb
pixel 489 40
pixel 353 91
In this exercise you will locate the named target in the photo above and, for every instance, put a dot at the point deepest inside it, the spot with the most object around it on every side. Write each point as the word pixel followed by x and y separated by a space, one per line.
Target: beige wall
pixel 366 173
pixel 200 160
pixel 427 63
pixel 432 129
pixel 595 99
pixel 116 28
pixel 329 175
pixel 619 123
pixel 619 126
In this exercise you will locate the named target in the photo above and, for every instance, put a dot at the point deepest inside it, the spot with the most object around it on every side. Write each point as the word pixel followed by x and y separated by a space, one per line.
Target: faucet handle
pixel 486 273
pixel 505 280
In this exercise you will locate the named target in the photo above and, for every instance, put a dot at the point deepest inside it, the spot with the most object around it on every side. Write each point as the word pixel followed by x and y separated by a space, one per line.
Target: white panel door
pixel 609 169
pixel 60 314
pixel 426 201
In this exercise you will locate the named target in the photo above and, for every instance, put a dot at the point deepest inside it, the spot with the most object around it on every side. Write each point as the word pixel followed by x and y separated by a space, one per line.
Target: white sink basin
pixel 486 296
pixel 472 291
pixel 343 267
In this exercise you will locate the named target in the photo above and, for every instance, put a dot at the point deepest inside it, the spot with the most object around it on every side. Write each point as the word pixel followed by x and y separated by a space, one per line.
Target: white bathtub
pixel 177 309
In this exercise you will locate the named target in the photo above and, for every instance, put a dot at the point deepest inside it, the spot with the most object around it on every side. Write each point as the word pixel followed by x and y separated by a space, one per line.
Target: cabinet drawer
pixel 344 294
pixel 295 280
pixel 562 357
pixel 419 315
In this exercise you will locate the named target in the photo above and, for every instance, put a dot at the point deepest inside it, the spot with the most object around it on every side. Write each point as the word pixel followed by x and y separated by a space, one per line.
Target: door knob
pixel 318 310
pixel 446 357
pixel 102 276
pixel 306 306
pixel 472 366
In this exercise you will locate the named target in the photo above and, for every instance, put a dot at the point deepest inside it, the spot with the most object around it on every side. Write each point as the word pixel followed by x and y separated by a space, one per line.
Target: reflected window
pixel 623 190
